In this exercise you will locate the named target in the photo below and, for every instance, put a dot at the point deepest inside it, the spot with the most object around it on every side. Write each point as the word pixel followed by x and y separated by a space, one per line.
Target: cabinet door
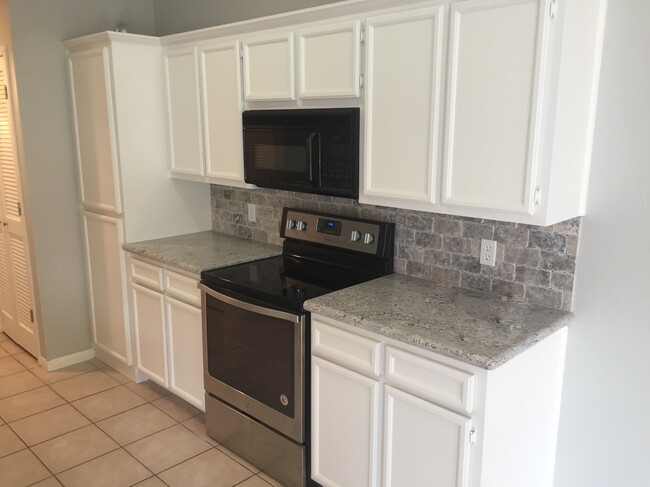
pixel 329 60
pixel 106 269
pixel 345 426
pixel 495 64
pixel 151 341
pixel 268 68
pixel 424 444
pixel 185 351
pixel 403 82
pixel 95 129
pixel 220 68
pixel 183 109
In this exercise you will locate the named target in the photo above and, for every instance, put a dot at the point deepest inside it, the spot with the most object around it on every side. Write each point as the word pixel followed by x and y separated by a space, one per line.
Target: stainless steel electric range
pixel 256 343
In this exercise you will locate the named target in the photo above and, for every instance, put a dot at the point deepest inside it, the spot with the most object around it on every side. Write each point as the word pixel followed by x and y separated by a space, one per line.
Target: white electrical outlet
pixel 488 252
pixel 251 213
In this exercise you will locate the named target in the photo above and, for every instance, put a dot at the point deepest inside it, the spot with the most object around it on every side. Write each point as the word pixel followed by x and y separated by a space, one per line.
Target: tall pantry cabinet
pixel 126 194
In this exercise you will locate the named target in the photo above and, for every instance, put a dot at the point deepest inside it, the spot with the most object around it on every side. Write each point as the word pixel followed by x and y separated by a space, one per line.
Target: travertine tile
pixel 27 360
pixel 21 469
pixel 148 390
pixel 28 403
pixel 9 442
pixel 16 383
pixel 197 425
pixel 135 424
pixel 74 448
pixel 151 482
pixel 167 448
pixel 11 348
pixel 210 469
pixel 49 424
pixel 9 365
pixel 122 379
pixel 84 385
pixel 62 374
pixel 108 403
pixel 176 407
pixel 256 481
pixel 51 482
pixel 115 469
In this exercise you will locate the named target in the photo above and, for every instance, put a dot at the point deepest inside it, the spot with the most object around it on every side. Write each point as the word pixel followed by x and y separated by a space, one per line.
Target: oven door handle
pixel 273 313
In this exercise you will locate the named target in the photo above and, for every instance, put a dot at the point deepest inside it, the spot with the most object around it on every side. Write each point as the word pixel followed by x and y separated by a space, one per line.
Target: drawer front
pixel 147 275
pixel 182 288
pixel 430 379
pixel 352 351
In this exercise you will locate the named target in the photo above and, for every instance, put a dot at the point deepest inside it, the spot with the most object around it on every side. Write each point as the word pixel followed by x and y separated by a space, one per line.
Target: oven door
pixel 254 360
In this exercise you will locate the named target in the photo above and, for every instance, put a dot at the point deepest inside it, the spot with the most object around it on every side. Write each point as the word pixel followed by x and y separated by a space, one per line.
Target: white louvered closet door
pixel 15 281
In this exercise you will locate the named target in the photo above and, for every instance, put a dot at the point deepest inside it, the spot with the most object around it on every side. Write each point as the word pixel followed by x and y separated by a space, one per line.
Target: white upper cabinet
pixel 219 68
pixel 95 130
pixel 184 111
pixel 495 69
pixel 402 102
pixel 269 67
pixel 328 60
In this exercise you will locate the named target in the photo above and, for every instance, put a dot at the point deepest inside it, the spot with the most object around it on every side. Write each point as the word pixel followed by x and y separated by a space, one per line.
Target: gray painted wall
pixel 605 425
pixel 38 27
pixel 173 16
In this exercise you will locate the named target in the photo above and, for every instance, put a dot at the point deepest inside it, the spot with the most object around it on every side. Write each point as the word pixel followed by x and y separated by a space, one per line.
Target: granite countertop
pixel 477 328
pixel 194 252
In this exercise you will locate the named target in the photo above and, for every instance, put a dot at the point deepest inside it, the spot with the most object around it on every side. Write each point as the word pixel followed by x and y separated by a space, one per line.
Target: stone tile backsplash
pixel 533 264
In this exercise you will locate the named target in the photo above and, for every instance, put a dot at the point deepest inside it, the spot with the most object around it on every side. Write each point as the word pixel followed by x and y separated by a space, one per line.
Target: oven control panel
pixel 364 236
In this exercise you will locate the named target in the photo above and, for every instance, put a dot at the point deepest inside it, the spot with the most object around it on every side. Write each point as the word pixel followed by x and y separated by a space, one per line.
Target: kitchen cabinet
pixel 118 94
pixel 268 66
pixel 167 317
pixel 432 417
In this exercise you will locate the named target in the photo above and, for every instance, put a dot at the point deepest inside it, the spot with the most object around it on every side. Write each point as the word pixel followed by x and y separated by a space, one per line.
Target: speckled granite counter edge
pixel 169 264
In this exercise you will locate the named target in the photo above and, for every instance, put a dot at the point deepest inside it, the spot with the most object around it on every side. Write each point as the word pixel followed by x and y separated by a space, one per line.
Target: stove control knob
pixel 291 224
pixel 301 226
pixel 355 236
pixel 368 238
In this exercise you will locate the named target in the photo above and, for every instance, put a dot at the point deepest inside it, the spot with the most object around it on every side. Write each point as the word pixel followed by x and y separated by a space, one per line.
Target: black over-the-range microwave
pixel 306 150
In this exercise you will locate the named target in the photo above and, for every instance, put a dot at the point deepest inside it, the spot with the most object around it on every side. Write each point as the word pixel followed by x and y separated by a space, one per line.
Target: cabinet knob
pixel 368 238
pixel 355 236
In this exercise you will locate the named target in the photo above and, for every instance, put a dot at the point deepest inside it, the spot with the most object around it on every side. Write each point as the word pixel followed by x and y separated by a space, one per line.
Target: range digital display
pixel 330 227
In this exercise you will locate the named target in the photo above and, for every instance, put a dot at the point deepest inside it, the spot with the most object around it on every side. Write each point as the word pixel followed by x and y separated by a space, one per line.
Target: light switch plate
pixel 251 213
pixel 488 252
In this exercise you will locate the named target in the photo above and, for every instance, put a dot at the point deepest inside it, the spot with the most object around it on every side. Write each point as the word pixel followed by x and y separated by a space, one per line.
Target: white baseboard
pixel 66 360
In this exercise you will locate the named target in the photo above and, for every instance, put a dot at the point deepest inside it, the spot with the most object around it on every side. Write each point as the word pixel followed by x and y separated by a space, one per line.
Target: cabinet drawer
pixel 182 288
pixel 147 275
pixel 353 351
pixel 429 379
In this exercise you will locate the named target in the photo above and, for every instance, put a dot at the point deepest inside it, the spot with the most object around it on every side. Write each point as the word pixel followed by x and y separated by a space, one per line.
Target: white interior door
pixel 15 276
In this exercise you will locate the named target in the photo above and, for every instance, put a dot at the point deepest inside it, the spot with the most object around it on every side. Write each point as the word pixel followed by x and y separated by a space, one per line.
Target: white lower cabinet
pixel 167 321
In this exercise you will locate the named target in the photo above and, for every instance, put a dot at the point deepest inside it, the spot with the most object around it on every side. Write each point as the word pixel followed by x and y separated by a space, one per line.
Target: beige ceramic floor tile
pixel 135 424
pixel 9 442
pixel 108 403
pixel 151 482
pixel 176 407
pixel 167 448
pixel 210 469
pixel 74 448
pixel 84 385
pixel 97 363
pixel 4 353
pixel 238 459
pixel 11 347
pixel 269 480
pixel 9 365
pixel 197 425
pixel 51 482
pixel 4 337
pixel 49 424
pixel 21 469
pixel 64 373
pixel 28 403
pixel 256 481
pixel 27 360
pixel 16 383
pixel 122 379
pixel 148 390
pixel 115 469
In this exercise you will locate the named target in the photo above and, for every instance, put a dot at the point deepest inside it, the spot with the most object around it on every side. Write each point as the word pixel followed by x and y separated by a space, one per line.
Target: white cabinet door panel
pixel 424 444
pixel 151 341
pixel 329 60
pixel 184 112
pixel 345 405
pixel 491 124
pixel 106 268
pixel 268 68
pixel 185 351
pixel 95 129
pixel 403 83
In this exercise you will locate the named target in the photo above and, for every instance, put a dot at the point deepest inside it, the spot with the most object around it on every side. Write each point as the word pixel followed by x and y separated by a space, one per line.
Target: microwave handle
pixel 313 149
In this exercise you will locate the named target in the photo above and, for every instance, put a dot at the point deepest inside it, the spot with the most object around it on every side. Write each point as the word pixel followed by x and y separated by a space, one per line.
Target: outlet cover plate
pixel 488 252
